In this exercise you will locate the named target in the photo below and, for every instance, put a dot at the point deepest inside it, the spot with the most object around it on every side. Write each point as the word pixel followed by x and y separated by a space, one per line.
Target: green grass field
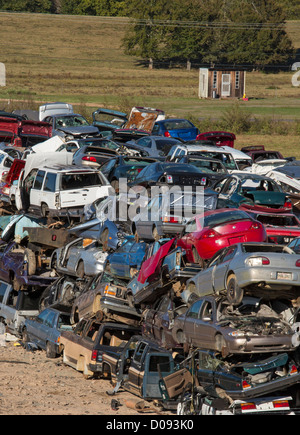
pixel 79 59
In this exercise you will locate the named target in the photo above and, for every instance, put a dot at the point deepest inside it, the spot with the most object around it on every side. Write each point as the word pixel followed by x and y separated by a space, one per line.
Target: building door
pixel 225 91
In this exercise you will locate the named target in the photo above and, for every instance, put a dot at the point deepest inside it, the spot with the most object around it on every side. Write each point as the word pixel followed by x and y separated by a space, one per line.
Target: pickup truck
pixel 83 347
pixel 138 367
pixel 16 306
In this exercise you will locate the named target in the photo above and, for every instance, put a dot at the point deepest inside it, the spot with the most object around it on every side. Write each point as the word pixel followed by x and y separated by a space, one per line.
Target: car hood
pixel 80 130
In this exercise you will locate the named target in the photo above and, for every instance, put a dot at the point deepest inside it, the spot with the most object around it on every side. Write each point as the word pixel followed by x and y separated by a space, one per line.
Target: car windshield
pixel 99 142
pixel 70 121
pixel 259 184
pixel 178 167
pixel 208 166
pixel 263 248
pixel 226 158
pixel 161 144
pixel 278 221
pixel 227 216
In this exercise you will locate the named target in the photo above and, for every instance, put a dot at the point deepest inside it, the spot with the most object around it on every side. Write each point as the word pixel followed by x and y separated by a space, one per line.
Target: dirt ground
pixel 31 384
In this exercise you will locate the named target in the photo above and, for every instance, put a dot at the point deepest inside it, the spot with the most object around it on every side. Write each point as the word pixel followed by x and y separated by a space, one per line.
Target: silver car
pixel 81 257
pixel 256 268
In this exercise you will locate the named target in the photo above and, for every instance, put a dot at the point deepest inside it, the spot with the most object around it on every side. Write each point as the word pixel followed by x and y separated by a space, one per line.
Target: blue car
pixel 176 127
pixel 127 259
pixel 44 330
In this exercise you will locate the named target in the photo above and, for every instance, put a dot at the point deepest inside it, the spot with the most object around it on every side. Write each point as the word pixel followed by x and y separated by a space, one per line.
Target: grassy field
pixel 80 60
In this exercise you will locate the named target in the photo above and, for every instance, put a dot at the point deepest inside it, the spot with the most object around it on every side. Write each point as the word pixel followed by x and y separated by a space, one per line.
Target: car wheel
pixel 234 292
pixel 29 257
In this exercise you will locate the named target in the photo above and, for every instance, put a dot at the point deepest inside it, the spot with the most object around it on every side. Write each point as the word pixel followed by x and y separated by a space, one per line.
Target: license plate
pixel 284 275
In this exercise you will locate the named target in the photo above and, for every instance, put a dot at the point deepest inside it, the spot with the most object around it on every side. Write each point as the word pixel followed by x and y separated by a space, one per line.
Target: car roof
pixel 66 168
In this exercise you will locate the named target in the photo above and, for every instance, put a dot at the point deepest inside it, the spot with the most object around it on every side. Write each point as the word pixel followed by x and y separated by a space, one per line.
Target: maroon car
pixel 207 233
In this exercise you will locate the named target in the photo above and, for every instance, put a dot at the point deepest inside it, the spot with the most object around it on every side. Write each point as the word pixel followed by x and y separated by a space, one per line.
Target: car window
pixel 193 311
pixel 206 313
pixel 107 167
pixel 3 287
pixel 50 319
pixel 161 362
pixel 80 180
pixel 50 182
pixel 39 180
pixel 191 226
pixel 41 318
pixel 139 352
pixel 229 254
pixel 145 141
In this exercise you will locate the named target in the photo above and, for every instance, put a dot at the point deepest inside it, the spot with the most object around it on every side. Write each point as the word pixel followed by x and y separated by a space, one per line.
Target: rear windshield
pixel 79 181
pixel 177 124
pixel 263 248
pixel 220 218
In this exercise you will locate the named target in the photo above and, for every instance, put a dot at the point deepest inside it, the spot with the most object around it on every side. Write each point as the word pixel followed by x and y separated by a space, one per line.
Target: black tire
pixel 29 256
pixel 234 292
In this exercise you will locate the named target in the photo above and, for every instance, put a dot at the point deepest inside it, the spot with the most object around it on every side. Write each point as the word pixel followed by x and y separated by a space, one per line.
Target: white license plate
pixel 284 275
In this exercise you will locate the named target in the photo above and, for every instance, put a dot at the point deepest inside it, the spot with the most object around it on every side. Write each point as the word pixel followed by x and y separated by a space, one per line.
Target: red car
pixel 207 233
pixel 281 227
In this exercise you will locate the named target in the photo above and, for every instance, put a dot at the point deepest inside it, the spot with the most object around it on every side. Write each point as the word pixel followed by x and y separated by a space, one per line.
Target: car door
pixel 221 268
pixel 135 374
pixel 119 260
pixel 205 279
pixel 73 339
pixel 35 326
pixel 46 329
pixel 204 325
pixel 190 319
pixel 36 195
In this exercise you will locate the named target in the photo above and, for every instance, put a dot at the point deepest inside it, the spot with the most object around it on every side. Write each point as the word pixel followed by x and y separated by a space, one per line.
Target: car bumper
pixel 267 276
pixel 116 305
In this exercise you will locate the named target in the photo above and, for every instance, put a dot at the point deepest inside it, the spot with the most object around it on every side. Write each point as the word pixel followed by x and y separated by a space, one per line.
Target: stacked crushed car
pixel 198 311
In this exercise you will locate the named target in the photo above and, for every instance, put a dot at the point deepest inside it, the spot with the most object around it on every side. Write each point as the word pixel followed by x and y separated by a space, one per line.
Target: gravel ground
pixel 31 384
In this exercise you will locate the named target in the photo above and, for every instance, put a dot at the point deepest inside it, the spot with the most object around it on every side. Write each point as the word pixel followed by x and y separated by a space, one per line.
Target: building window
pixel 237 80
pixel 215 79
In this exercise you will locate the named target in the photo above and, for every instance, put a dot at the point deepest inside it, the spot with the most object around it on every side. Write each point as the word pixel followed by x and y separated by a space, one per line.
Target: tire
pixel 234 292
pixel 50 352
pixel 29 256
pixel 80 270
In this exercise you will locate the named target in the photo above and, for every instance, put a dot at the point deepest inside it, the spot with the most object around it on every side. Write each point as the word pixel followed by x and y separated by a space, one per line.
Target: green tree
pixel 209 31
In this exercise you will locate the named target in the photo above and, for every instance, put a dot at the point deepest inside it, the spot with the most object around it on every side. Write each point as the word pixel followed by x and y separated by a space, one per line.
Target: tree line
pixel 214 32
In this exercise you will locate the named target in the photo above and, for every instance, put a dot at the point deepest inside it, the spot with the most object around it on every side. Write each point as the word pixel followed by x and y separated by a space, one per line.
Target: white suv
pixel 59 190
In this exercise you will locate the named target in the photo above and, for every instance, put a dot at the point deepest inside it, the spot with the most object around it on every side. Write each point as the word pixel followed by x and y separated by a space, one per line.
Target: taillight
pixel 255 226
pixel 248 406
pixel 281 404
pixel 288 204
pixel 297 264
pixel 167 134
pixel 89 159
pixel 245 385
pixel 293 370
pixel 257 261
pixel 17 142
pixel 94 355
pixel 169 179
pixel 208 234
pixel 170 219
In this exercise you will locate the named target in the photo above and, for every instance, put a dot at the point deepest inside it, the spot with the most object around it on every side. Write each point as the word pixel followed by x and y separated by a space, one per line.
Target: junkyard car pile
pixel 195 305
